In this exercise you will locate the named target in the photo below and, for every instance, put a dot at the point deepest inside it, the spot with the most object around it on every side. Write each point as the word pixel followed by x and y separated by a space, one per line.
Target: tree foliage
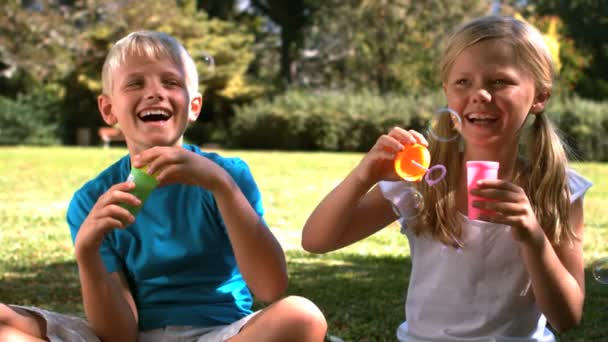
pixel 384 45
pixel 585 25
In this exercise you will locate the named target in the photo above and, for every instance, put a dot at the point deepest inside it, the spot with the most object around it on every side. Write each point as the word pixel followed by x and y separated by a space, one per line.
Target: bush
pixel 583 125
pixel 338 121
pixel 331 121
pixel 30 119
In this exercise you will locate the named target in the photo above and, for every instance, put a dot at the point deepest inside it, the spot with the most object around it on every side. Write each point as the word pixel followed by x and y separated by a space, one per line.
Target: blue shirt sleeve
pixel 241 173
pixel 80 206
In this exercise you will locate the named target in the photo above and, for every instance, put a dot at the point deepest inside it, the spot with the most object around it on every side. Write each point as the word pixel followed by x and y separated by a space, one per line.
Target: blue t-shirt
pixel 176 256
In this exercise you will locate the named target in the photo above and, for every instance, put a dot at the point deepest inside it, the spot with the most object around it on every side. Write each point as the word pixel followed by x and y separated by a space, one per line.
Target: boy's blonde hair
pixel 546 182
pixel 153 45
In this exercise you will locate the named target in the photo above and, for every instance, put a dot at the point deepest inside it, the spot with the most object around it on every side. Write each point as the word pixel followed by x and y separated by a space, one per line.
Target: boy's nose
pixel 155 92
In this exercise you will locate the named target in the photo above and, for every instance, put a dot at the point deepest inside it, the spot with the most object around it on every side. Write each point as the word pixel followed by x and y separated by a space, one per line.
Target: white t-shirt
pixel 478 293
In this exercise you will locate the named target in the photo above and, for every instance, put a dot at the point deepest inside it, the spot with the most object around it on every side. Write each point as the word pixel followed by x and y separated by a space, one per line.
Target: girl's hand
pixel 510 206
pixel 378 163
pixel 171 165
pixel 106 214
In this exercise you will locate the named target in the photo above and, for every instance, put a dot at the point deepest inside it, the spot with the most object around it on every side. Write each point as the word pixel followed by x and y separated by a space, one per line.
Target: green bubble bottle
pixel 144 184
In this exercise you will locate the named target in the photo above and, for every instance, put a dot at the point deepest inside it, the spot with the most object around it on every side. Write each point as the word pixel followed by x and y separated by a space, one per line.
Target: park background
pixel 299 89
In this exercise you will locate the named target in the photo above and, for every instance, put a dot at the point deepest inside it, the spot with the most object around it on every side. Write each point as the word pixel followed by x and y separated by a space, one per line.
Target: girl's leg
pixel 290 319
pixel 19 325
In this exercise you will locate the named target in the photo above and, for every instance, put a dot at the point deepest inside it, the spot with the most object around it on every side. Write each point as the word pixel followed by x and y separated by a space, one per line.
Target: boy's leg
pixel 20 325
pixel 289 319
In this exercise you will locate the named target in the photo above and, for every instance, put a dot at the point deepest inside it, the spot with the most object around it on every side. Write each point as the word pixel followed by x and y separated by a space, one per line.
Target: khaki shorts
pixel 65 328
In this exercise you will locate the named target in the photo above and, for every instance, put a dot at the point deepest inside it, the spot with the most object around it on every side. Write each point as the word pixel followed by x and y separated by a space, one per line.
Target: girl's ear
pixel 541 99
pixel 105 108
pixel 196 104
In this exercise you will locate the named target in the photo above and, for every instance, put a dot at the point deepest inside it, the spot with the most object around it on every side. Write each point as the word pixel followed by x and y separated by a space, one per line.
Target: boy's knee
pixel 304 313
pixel 6 314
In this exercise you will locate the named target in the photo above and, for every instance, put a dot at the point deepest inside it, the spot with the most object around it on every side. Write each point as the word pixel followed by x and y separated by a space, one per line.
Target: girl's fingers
pixel 386 143
pixel 402 136
pixel 419 137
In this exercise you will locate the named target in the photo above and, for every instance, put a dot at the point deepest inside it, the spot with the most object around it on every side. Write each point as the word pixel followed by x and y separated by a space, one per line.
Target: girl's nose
pixel 481 96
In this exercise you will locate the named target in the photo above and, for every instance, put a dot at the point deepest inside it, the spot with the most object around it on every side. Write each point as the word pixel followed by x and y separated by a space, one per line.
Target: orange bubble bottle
pixel 412 162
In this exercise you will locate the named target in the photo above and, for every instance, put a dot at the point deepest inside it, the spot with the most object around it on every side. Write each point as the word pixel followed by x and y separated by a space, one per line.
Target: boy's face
pixel 150 102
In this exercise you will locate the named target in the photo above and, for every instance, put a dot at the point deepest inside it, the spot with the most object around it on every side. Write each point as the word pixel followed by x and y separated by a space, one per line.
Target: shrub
pixel 30 119
pixel 342 121
pixel 320 120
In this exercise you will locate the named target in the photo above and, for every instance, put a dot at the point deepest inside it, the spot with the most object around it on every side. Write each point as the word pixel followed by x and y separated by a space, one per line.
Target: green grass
pixel 361 289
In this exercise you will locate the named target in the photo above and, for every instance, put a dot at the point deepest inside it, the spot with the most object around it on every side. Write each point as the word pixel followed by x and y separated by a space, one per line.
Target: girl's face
pixel 492 93
pixel 150 102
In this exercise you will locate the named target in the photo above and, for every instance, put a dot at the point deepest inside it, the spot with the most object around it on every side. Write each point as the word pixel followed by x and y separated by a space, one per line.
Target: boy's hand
pixel 511 206
pixel 378 163
pixel 177 165
pixel 106 214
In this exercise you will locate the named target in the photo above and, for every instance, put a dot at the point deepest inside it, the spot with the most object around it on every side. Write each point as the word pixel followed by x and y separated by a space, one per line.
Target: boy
pixel 184 266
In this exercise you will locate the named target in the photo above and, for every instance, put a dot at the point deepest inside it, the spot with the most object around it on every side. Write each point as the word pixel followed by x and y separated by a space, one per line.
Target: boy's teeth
pixel 153 112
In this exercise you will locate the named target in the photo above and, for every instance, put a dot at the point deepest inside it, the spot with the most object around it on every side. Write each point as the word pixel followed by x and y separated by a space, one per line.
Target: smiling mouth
pixel 481 119
pixel 154 115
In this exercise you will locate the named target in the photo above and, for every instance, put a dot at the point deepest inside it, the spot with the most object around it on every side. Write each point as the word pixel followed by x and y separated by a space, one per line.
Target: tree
pixel 383 45
pixel 291 17
pixel 584 22
pixel 35 45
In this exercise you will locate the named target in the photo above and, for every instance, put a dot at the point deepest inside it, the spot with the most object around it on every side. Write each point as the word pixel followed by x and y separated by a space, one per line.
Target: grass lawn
pixel 361 289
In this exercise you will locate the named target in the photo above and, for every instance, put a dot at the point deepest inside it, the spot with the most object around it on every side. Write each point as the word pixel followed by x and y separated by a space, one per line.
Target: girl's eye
pixel 461 82
pixel 500 82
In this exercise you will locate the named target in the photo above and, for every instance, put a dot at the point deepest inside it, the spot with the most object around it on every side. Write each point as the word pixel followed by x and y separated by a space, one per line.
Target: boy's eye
pixel 134 84
pixel 173 82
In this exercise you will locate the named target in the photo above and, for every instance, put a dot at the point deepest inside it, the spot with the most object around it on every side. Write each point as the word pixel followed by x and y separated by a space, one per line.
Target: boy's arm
pixel 108 303
pixel 258 254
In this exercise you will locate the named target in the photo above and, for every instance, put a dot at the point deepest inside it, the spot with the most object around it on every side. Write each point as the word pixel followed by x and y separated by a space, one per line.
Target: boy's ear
pixel 540 100
pixel 196 104
pixel 105 108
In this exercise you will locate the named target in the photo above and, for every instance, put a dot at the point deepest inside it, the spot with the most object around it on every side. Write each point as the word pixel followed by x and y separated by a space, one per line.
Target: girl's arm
pixel 349 213
pixel 558 274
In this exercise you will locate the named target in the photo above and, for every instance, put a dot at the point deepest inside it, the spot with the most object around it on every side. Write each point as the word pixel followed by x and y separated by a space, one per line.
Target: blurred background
pixel 289 74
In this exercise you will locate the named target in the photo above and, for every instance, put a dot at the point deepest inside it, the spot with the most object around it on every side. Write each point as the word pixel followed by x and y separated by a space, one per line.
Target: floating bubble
pixel 446 125
pixel 206 66
pixel 409 204
pixel 600 270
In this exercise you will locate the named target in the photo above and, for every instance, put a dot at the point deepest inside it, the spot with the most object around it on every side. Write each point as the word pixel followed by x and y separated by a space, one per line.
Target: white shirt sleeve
pixel 578 184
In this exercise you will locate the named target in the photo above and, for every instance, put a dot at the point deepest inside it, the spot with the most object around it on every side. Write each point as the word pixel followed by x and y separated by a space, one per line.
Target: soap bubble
pixel 206 66
pixel 445 126
pixel 409 204
pixel 599 269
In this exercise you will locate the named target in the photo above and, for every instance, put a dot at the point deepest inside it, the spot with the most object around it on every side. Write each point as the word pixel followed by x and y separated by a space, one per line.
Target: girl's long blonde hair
pixel 546 182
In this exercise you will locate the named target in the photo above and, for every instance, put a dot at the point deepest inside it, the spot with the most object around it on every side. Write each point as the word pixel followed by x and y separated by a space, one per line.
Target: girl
pixel 504 276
